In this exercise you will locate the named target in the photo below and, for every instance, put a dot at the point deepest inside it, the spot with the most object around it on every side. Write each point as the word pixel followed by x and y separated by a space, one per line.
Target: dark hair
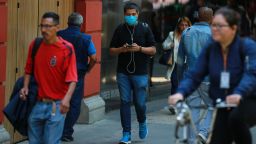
pixel 131 5
pixel 184 18
pixel 205 14
pixel 181 19
pixel 75 19
pixel 146 4
pixel 52 15
pixel 232 17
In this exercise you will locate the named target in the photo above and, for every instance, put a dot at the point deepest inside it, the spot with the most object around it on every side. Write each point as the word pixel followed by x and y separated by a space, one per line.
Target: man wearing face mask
pixel 133 42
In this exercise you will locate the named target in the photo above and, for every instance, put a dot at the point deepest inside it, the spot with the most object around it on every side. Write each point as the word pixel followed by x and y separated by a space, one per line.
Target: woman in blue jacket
pixel 230 62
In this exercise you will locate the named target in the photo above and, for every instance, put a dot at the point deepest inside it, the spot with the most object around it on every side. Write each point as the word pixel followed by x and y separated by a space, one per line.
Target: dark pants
pixel 234 125
pixel 174 80
pixel 74 110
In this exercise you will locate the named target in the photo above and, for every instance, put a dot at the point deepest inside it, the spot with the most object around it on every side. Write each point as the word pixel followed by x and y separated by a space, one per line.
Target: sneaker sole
pixel 201 138
pixel 145 135
pixel 129 142
pixel 67 140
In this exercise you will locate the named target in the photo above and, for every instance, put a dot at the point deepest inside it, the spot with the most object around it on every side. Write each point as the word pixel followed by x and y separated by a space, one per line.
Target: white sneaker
pixel 202 138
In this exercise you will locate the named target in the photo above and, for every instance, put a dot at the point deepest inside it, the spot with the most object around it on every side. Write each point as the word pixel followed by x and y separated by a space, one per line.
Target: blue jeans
pixel 138 85
pixel 202 123
pixel 74 110
pixel 43 126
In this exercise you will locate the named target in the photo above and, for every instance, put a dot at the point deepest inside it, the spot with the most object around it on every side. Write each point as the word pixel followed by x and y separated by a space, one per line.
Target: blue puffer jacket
pixel 241 64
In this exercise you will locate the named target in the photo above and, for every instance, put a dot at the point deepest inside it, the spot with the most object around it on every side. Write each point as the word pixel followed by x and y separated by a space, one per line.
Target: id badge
pixel 225 80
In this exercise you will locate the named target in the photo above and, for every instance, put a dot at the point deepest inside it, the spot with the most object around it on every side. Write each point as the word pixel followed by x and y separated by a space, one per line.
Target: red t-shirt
pixel 54 68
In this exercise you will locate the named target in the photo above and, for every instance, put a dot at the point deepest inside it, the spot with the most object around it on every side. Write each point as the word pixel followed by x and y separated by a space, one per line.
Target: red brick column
pixel 3 46
pixel 92 13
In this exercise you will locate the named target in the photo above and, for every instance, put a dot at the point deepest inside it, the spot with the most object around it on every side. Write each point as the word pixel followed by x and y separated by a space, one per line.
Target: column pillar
pixel 4 136
pixel 93 106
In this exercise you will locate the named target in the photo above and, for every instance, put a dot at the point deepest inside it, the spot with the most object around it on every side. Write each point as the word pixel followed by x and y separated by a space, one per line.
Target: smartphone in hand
pixel 129 46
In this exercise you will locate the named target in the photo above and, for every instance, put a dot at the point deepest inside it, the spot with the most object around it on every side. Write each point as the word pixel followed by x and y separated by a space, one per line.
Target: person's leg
pixel 204 126
pixel 205 122
pixel 54 124
pixel 220 134
pixel 248 109
pixel 74 110
pixel 241 119
pixel 194 100
pixel 174 86
pixel 140 83
pixel 124 87
pixel 36 122
pixel 174 80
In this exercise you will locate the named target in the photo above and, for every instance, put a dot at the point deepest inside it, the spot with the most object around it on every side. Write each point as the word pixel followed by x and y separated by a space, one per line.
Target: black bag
pixel 167 58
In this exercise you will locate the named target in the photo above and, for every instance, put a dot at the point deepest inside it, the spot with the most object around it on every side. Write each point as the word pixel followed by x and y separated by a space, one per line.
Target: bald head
pixel 205 14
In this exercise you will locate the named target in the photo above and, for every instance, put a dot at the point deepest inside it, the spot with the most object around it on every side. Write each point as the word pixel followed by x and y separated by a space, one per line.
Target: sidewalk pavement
pixel 108 131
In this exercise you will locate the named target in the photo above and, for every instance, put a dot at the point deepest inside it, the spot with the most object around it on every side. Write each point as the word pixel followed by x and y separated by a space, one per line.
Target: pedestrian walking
pixel 85 59
pixel 54 69
pixel 133 42
pixel 192 42
pixel 172 42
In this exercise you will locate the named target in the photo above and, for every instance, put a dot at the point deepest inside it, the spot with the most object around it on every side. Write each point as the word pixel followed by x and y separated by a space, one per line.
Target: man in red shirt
pixel 54 68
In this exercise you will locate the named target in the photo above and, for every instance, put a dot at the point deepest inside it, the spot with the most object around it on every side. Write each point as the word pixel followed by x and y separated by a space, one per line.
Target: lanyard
pixel 225 58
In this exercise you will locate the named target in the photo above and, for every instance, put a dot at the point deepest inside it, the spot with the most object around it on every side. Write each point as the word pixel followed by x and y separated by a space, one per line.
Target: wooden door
pixel 27 26
pixel 45 6
pixel 64 9
pixel 11 56
pixel 22 29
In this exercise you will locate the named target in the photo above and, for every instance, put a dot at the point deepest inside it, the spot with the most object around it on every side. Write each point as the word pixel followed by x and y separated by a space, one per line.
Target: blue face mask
pixel 130 20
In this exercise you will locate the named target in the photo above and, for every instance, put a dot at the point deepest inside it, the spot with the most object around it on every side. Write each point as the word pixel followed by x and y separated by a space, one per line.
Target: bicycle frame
pixel 184 120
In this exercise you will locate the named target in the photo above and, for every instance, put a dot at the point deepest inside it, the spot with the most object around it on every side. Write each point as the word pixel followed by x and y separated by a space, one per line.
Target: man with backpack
pixel 84 49
pixel 134 44
pixel 54 69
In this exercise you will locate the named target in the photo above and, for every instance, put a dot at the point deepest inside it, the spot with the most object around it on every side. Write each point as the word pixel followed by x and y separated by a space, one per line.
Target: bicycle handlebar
pixel 223 104
pixel 219 104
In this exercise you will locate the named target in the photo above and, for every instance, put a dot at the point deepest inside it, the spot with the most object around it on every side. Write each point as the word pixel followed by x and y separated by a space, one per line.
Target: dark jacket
pixel 17 111
pixel 241 64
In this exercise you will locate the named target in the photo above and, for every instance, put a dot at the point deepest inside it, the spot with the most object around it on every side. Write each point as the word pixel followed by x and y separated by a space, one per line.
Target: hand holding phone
pixel 129 46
